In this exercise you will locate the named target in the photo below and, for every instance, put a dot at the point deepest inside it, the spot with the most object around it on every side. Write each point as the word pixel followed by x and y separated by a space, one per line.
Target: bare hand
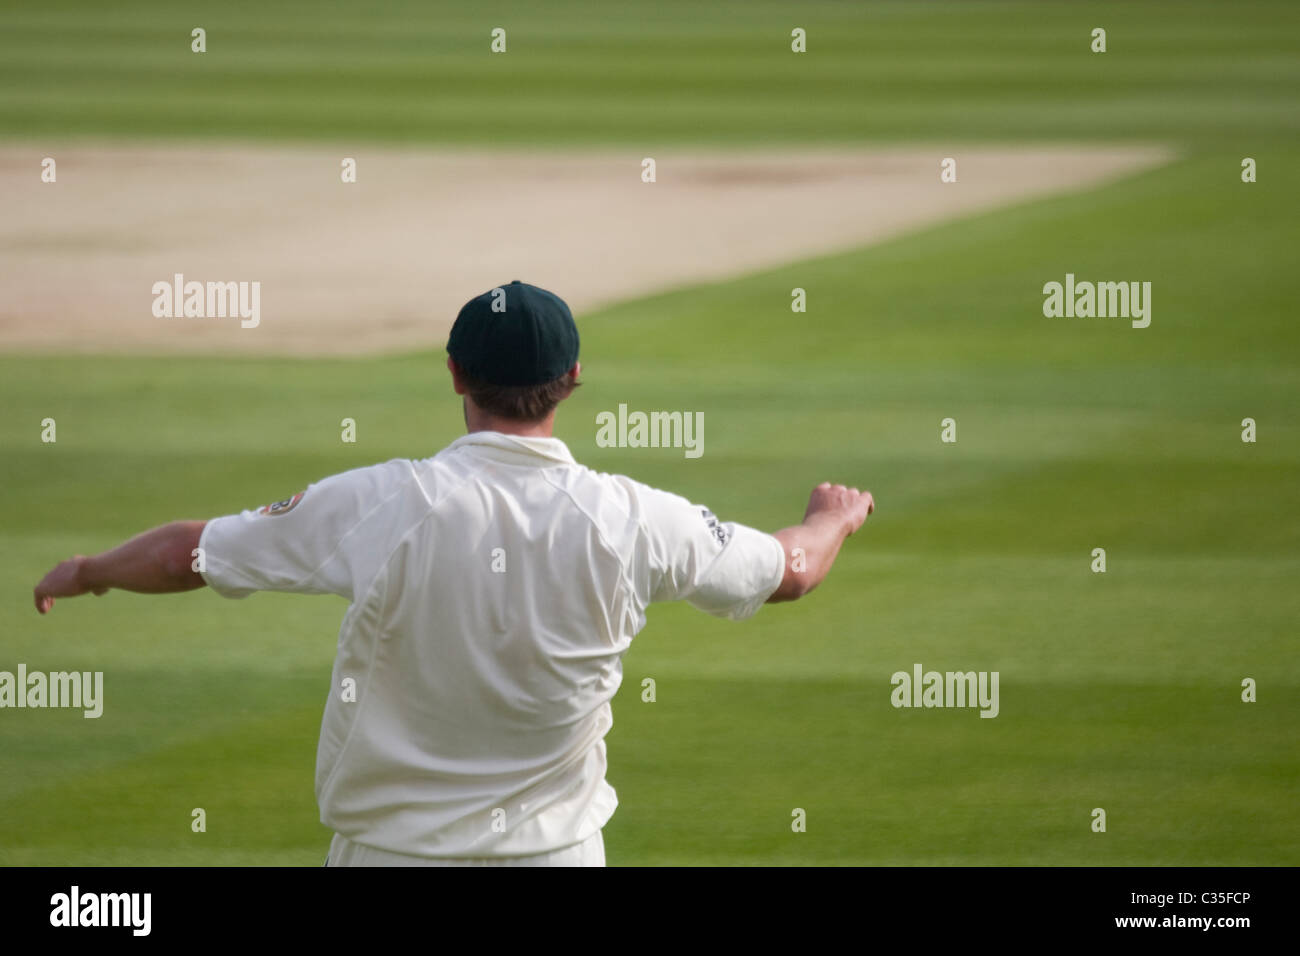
pixel 837 501
pixel 63 580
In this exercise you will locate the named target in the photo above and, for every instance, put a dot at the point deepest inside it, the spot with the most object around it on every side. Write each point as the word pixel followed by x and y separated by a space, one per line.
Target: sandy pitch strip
pixel 385 263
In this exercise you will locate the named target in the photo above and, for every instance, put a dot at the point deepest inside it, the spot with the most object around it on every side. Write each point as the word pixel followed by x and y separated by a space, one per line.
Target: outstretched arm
pixel 834 512
pixel 155 562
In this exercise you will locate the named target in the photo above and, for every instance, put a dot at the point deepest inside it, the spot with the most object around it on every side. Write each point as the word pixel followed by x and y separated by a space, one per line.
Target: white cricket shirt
pixel 494 589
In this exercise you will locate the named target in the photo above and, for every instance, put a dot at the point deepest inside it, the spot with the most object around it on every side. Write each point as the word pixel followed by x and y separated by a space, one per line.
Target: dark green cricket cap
pixel 515 334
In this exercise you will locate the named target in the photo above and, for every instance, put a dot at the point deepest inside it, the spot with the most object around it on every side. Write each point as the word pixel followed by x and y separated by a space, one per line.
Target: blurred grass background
pixel 1118 690
pixel 642 73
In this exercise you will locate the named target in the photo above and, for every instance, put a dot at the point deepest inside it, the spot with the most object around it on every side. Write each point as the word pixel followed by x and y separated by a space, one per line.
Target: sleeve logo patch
pixel 281 507
pixel 715 526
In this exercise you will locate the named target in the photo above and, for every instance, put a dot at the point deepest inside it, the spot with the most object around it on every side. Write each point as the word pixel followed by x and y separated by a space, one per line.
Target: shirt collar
pixel 501 445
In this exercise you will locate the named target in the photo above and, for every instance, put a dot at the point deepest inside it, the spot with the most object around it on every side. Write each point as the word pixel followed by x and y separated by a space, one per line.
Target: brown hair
pixel 525 403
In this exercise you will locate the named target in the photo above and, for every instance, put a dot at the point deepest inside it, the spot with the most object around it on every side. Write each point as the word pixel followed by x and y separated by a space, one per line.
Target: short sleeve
pixel 726 569
pixel 307 543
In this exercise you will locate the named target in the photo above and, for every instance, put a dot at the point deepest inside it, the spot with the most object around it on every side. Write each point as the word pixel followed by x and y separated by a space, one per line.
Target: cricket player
pixel 493 591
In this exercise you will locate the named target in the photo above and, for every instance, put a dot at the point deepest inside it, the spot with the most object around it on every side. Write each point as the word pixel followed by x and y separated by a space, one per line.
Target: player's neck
pixel 477 421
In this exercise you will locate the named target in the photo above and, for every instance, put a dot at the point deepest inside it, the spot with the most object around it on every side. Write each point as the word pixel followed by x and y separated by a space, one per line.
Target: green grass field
pixel 643 73
pixel 1118 690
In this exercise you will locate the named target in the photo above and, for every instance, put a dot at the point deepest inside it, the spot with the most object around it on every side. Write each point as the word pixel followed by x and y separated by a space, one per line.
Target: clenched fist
pixel 65 579
pixel 837 500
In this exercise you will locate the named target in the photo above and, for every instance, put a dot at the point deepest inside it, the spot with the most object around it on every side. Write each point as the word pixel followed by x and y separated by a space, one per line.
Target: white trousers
pixel 343 852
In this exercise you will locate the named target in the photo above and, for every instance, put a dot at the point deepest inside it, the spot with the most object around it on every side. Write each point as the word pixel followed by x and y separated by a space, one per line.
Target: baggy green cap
pixel 515 334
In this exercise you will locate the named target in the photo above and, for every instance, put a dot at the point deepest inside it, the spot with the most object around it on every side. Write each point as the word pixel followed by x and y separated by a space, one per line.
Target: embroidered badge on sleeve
pixel 715 526
pixel 281 507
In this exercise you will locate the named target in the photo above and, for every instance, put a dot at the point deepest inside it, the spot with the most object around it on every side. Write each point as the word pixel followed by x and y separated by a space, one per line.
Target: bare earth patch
pixel 384 264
